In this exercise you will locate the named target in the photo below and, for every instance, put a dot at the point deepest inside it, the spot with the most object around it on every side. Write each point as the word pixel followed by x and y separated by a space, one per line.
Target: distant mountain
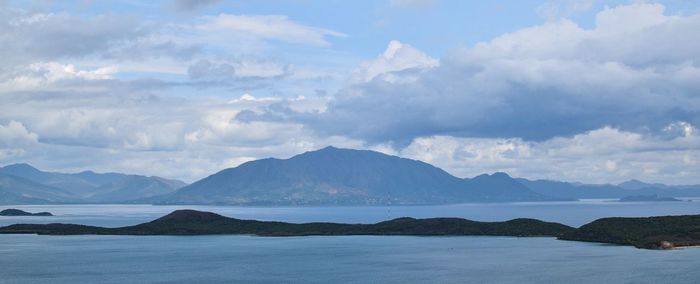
pixel 648 198
pixel 637 184
pixel 27 184
pixel 558 189
pixel 343 176
pixel 329 176
pixel 17 190
pixel 499 187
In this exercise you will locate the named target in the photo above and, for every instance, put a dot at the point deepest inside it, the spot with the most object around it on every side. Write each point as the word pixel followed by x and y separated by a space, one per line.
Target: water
pixel 344 259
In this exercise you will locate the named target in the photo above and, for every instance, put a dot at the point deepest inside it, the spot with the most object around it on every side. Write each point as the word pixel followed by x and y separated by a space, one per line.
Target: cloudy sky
pixel 589 91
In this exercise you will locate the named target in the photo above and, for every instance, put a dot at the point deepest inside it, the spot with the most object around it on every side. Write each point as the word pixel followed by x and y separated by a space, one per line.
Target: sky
pixel 574 90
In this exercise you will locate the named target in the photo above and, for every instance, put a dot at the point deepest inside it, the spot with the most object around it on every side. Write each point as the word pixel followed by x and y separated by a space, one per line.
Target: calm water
pixel 358 259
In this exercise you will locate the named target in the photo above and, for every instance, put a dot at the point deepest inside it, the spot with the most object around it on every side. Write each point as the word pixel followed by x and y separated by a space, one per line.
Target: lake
pixel 345 259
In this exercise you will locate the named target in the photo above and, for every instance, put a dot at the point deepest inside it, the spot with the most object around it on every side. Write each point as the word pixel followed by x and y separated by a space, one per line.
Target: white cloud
pixel 397 57
pixel 48 75
pixel 605 155
pixel 238 69
pixel 15 134
pixel 269 27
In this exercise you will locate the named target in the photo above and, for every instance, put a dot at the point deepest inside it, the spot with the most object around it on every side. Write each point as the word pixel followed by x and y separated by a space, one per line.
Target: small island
pixel 648 198
pixel 17 212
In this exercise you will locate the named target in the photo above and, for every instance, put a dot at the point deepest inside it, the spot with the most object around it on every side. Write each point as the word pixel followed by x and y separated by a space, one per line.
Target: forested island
pixel 651 233
pixel 662 232
pixel 191 222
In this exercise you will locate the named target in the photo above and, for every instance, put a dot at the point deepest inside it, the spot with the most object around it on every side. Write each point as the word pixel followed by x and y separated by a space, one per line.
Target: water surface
pixel 341 259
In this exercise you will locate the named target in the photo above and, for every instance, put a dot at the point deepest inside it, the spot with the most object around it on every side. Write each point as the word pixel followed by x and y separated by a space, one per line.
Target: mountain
pixel 343 176
pixel 329 176
pixel 17 190
pixel 80 187
pixel 558 189
pixel 499 187
pixel 637 184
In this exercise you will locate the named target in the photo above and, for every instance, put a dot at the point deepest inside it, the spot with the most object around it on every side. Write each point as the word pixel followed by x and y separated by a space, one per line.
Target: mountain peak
pixel 21 167
pixel 500 175
pixel 634 184
pixel 332 151
pixel 329 148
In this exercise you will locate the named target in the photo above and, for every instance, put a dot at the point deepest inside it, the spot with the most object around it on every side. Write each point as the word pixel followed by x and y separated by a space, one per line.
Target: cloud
pixel 239 69
pixel 15 134
pixel 396 58
pixel 139 95
pixel 268 27
pixel 598 156
pixel 31 37
pixel 635 70
pixel 190 5
pixel 51 75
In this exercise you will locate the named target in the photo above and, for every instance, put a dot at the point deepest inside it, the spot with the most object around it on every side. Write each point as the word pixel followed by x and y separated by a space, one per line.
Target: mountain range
pixel 345 177
pixel 359 177
pixel 24 184
pixel 329 176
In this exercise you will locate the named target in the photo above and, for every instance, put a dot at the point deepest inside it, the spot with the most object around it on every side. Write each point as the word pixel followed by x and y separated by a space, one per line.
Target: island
pixel 192 222
pixel 647 198
pixel 17 212
pixel 664 232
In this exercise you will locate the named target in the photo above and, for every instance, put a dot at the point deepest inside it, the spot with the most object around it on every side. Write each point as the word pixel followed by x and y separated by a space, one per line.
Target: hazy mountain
pixel 637 184
pixel 17 190
pixel 324 177
pixel 70 183
pixel 88 186
pixel 560 189
pixel 499 187
pixel 343 176
pixel 131 187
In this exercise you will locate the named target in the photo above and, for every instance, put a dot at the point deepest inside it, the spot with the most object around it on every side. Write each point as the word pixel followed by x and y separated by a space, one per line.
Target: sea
pixel 341 259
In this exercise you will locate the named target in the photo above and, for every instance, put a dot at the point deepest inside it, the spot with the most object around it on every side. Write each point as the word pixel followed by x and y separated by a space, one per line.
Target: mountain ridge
pixel 328 176
pixel 23 181
pixel 345 177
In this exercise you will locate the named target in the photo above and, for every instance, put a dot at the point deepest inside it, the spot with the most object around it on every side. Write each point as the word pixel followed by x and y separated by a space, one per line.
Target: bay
pixel 341 259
